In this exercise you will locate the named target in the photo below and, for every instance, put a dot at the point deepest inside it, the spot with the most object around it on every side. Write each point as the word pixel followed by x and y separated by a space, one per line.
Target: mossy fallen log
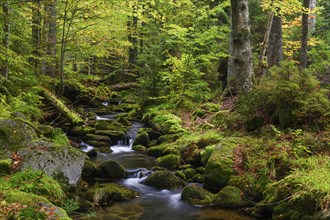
pixel 70 114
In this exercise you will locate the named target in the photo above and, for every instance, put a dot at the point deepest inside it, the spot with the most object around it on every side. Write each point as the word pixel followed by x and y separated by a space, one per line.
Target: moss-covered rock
pixel 15 134
pixel 114 135
pixel 198 178
pixel 180 174
pixel 219 168
pixel 98 144
pixel 231 197
pixel 196 195
pixel 81 130
pixel 164 180
pixel 106 194
pixel 5 166
pixel 89 171
pixel 54 160
pixel 38 205
pixel 142 139
pixel 139 148
pixel 96 137
pixel 112 170
pixel 189 172
pixel 168 138
pixel 156 151
pixel 170 161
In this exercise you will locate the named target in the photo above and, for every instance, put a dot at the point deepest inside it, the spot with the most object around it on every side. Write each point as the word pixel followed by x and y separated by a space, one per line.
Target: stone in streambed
pixel 230 197
pixel 142 139
pixel 164 180
pixel 112 170
pixel 170 161
pixel 106 194
pixel 89 170
pixel 96 137
pixel 196 195
pixel 113 135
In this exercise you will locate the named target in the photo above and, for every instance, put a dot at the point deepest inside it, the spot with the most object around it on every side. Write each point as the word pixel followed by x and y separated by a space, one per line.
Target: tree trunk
pixel 263 51
pixel 304 37
pixel 36 34
pixel 6 38
pixel 312 17
pixel 275 44
pixel 132 38
pixel 240 74
pixel 51 65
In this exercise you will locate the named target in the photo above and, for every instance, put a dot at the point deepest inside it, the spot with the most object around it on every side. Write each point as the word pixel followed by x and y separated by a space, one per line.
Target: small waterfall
pixel 85 147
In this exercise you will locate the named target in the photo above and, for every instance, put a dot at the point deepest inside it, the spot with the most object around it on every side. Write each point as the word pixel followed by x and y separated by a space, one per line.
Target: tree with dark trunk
pixel 240 68
pixel 51 23
pixel 6 37
pixel 36 34
pixel 275 42
pixel 304 35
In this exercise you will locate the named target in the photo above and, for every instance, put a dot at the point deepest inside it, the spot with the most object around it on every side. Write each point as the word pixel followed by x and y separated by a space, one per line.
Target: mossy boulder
pixel 191 154
pixel 112 170
pixel 219 168
pixel 156 151
pixel 189 172
pixel 230 197
pixel 54 160
pixel 96 137
pixel 170 161
pixel 5 166
pixel 196 195
pixel 164 180
pixel 106 194
pixel 38 183
pixel 142 139
pixel 89 170
pixel 15 134
pixel 98 144
pixel 198 178
pixel 81 130
pixel 114 135
pixel 34 204
pixel 139 148
pixel 168 138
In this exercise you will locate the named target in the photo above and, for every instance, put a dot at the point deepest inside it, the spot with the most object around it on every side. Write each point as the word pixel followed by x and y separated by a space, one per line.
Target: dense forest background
pixel 255 69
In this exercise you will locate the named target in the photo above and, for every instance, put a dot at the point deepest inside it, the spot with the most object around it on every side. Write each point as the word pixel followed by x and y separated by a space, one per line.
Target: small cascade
pixel 85 147
pixel 125 145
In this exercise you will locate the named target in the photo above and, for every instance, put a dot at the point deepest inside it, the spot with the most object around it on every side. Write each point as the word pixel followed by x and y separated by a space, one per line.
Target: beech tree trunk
pixel 304 37
pixel 6 38
pixel 51 66
pixel 263 51
pixel 275 43
pixel 240 69
pixel 132 38
pixel 36 34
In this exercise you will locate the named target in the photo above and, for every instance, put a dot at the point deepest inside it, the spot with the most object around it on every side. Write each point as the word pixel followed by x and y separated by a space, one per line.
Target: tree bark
pixel 132 38
pixel 36 34
pixel 6 38
pixel 51 65
pixel 304 36
pixel 275 44
pixel 240 74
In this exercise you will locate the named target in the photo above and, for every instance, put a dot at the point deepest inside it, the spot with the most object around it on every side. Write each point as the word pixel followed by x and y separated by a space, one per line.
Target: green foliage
pixel 4 107
pixel 59 137
pixel 71 205
pixel 38 183
pixel 288 98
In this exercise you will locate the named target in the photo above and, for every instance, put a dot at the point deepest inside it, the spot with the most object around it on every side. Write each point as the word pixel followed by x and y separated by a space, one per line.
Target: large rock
pixel 15 134
pixel 112 170
pixel 219 168
pixel 164 180
pixel 54 160
pixel 106 194
pixel 170 161
pixel 142 139
pixel 230 197
pixel 89 170
pixel 196 195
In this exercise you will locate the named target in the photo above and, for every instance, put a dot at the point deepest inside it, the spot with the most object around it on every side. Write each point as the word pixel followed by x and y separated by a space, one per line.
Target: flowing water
pixel 153 204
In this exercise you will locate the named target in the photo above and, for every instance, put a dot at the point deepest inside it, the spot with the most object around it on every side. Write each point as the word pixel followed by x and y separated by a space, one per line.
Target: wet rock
pixel 164 180
pixel 219 168
pixel 142 139
pixel 101 138
pixel 98 144
pixel 156 151
pixel 139 148
pixel 106 194
pixel 168 138
pixel 170 161
pixel 230 197
pixel 115 136
pixel 198 178
pixel 89 170
pixel 112 170
pixel 15 134
pixel 81 130
pixel 54 160
pixel 92 153
pixel 196 195
pixel 189 173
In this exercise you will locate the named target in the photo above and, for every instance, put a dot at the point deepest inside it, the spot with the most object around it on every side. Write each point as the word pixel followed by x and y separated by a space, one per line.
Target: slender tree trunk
pixel 304 36
pixel 275 44
pixel 6 38
pixel 263 52
pixel 312 17
pixel 36 34
pixel 240 77
pixel 132 38
pixel 51 65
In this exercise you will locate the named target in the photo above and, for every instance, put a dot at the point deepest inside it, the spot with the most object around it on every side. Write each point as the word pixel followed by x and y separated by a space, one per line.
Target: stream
pixel 153 204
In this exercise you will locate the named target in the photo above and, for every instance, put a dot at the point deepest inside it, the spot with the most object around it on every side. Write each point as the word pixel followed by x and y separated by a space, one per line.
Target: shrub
pixel 287 98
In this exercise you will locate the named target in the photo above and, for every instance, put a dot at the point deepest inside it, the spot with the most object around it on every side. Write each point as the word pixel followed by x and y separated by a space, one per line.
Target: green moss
pixel 164 180
pixel 111 169
pixel 106 194
pixel 139 148
pixel 196 195
pixel 96 137
pixel 142 138
pixel 230 197
pixel 170 161
pixel 190 172
pixel 5 167
pixel 38 183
